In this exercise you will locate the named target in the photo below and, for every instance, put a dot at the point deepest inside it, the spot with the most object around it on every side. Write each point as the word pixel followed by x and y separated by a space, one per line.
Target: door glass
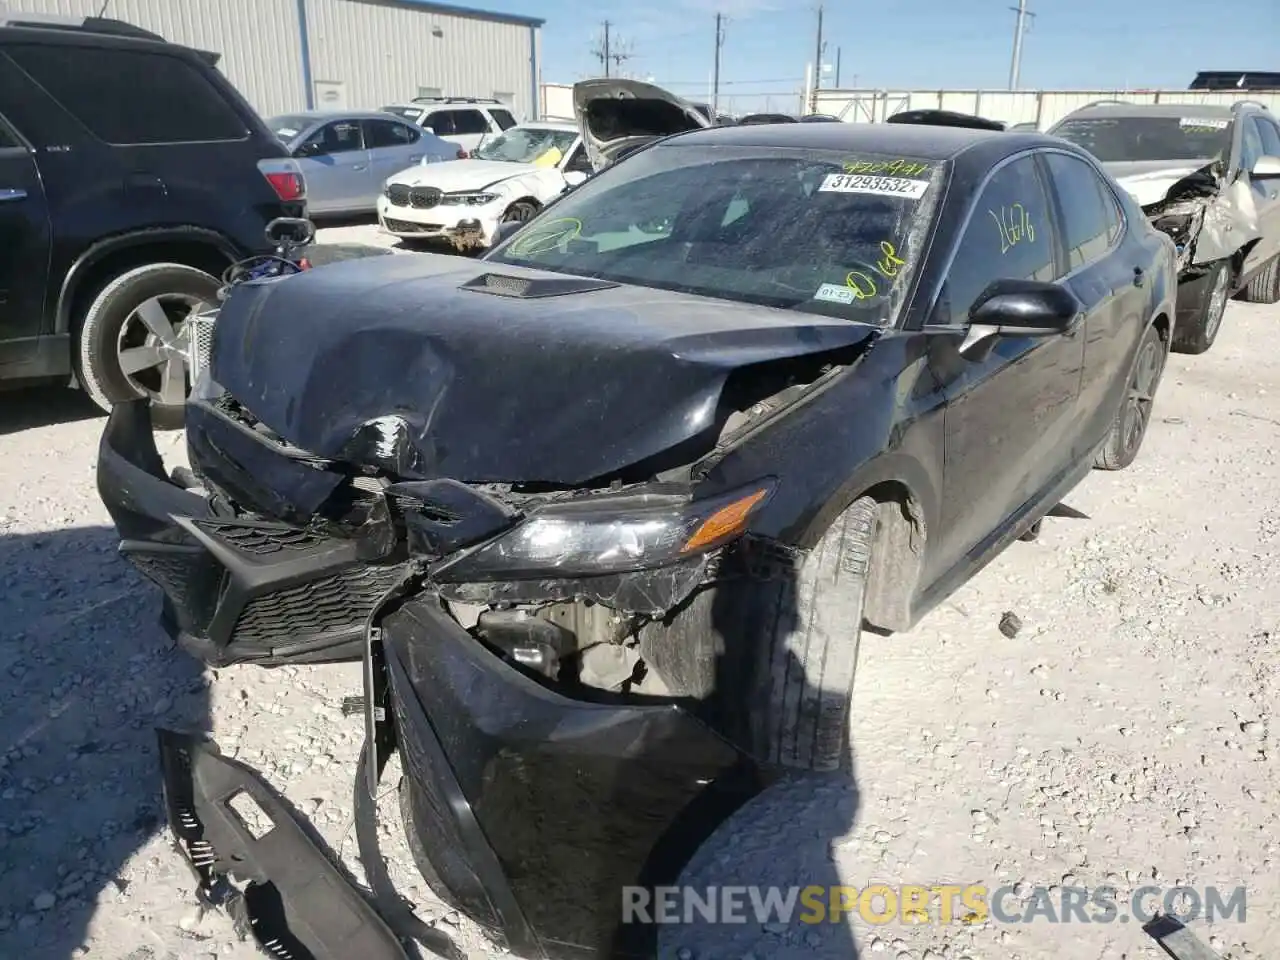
pixel 341 136
pixel 1270 135
pixel 385 133
pixel 8 139
pixel 1009 236
pixel 1250 144
pixel 1085 223
pixel 469 121
pixel 441 122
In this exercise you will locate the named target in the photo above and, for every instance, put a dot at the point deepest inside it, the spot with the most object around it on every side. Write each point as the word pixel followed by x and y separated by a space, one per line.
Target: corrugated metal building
pixel 285 55
pixel 1041 107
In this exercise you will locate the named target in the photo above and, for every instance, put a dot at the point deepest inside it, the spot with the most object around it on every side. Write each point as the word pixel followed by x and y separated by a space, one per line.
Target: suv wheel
pixel 1200 333
pixel 134 338
pixel 1265 285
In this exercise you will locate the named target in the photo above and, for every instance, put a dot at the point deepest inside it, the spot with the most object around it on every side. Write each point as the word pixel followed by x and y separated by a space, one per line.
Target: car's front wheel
pixel 784 648
pixel 134 338
pixel 1264 287
pixel 1213 291
pixel 1130 425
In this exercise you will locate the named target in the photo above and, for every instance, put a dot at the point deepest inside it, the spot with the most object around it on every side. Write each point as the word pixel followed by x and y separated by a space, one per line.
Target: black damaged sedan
pixel 606 510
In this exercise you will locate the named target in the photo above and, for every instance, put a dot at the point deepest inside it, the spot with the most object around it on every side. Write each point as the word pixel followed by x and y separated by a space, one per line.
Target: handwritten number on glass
pixel 1014 224
pixel 890 263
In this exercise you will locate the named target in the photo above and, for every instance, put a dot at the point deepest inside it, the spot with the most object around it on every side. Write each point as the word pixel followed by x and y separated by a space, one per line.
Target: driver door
pixel 1011 412
pixel 335 164
pixel 1266 193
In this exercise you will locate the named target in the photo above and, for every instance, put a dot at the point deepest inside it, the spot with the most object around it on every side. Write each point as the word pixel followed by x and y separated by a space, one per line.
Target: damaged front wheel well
pixel 897 556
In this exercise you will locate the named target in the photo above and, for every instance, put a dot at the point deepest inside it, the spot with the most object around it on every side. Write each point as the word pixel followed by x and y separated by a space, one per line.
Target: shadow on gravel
pixel 85 675
pixel 43 407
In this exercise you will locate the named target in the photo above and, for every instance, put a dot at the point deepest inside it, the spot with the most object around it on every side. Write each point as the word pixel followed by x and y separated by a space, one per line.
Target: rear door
pixel 616 116
pixel 335 165
pixel 1109 279
pixel 393 146
pixel 24 251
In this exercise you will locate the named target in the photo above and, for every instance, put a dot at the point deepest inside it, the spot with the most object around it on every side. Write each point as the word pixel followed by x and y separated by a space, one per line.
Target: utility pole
pixel 715 82
pixel 602 52
pixel 817 67
pixel 838 68
pixel 1015 66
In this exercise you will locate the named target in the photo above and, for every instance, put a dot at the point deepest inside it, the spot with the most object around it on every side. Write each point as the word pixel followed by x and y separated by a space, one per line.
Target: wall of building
pixel 1042 107
pixel 362 53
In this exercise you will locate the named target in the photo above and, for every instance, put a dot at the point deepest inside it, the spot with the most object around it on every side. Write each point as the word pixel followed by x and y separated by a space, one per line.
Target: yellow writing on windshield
pixel 1014 224
pixel 541 237
pixel 897 167
pixel 889 263
pixel 862 284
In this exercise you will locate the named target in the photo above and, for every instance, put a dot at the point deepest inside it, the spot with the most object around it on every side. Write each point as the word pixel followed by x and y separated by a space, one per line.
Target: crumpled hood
pixel 485 387
pixel 453 175
pixel 1148 182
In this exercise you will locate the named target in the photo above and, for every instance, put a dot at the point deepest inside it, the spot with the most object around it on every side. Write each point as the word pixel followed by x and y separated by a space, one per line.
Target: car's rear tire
pixel 1264 287
pixel 132 339
pixel 786 648
pixel 1197 336
pixel 1130 425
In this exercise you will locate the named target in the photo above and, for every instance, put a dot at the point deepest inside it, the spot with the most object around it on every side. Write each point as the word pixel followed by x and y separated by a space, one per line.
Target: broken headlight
pixel 608 534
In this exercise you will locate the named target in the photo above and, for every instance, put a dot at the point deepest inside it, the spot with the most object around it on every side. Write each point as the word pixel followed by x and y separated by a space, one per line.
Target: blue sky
pixel 909 43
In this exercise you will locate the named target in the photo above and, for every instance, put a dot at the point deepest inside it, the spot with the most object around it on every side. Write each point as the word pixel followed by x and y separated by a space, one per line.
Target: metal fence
pixel 1041 107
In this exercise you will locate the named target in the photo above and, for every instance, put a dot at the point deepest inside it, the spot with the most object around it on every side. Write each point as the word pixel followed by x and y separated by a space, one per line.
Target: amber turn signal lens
pixel 728 521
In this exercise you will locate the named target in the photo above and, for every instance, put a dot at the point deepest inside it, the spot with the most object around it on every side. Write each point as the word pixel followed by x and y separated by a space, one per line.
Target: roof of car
pixel 1209 111
pixel 337 114
pixel 912 140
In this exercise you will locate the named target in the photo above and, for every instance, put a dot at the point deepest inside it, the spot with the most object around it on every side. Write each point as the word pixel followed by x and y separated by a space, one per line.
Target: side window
pixel 578 161
pixel 386 133
pixel 1250 144
pixel 1009 237
pixel 503 118
pixel 1270 135
pixel 1085 225
pixel 341 136
pixel 441 122
pixel 180 104
pixel 469 121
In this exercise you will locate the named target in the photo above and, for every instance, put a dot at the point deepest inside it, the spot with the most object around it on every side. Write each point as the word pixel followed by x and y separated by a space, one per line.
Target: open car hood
pixel 617 115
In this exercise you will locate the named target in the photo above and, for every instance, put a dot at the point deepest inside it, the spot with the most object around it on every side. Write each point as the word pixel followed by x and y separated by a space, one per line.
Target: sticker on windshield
pixel 835 293
pixel 880 186
pixel 1214 123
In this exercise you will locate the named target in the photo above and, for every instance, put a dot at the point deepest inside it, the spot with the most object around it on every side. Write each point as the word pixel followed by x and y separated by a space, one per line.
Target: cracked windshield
pixel 815 231
pixel 542 146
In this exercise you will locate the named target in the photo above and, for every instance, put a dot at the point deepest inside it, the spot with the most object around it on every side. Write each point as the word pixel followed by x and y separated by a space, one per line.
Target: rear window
pixel 504 118
pixel 288 127
pixel 810 230
pixel 1146 139
pixel 409 113
pixel 132 97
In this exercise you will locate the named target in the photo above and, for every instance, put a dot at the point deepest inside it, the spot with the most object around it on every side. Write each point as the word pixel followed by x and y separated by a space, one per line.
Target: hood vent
pixel 532 288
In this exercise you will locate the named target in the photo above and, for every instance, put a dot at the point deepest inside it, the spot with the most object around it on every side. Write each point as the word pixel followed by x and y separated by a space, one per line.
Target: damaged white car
pixel 1209 177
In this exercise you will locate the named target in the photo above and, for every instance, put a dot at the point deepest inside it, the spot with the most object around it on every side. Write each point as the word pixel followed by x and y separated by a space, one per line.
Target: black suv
pixel 132 173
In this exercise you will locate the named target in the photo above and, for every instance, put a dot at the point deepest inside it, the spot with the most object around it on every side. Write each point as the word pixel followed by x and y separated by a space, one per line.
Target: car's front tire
pixel 1198 335
pixel 1264 287
pixel 1130 425
pixel 786 648
pixel 133 338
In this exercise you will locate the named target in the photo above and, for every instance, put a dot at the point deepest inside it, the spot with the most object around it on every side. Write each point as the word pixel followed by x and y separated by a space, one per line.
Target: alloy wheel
pixel 1216 308
pixel 153 347
pixel 1142 390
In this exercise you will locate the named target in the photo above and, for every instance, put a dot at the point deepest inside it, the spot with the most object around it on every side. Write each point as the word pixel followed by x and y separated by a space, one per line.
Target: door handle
pixel 1139 278
pixel 12 194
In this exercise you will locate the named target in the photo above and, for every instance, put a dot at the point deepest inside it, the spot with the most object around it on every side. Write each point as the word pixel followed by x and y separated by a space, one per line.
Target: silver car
pixel 346 156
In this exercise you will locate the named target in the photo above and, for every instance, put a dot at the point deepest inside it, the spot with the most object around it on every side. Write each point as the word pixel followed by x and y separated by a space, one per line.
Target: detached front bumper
pixel 236 590
pixel 464 227
pixel 531 811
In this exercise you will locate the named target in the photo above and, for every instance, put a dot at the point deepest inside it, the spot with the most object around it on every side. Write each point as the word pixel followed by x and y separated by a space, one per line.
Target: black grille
pixel 404 226
pixel 424 198
pixel 191 579
pixel 336 603
pixel 261 538
pixel 398 194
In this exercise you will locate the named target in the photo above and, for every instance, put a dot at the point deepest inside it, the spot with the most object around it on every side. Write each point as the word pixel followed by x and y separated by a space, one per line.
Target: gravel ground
pixel 1121 736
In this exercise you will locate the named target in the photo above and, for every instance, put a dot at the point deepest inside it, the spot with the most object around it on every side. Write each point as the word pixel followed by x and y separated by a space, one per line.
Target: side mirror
pixel 575 178
pixel 1267 168
pixel 1020 308
pixel 505 230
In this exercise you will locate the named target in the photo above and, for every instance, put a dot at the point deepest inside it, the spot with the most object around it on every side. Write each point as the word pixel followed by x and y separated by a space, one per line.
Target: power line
pixel 1020 28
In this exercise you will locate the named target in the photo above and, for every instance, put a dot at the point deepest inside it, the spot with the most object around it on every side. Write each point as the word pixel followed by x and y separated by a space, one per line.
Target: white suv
pixel 466 121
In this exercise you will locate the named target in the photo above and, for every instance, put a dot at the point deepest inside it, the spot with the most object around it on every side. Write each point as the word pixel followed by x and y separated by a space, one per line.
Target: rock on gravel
pixel 1124 738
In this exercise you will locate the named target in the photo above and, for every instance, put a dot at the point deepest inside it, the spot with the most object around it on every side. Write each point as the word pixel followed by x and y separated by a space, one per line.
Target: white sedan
pixel 509 178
